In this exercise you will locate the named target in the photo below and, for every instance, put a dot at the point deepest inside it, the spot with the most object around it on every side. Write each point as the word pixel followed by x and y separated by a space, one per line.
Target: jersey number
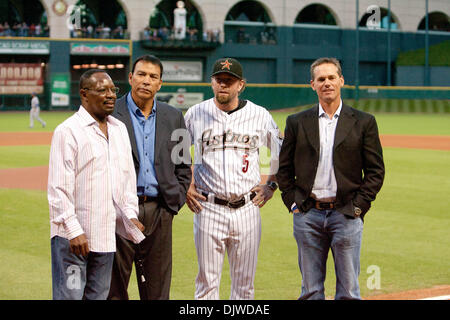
pixel 245 167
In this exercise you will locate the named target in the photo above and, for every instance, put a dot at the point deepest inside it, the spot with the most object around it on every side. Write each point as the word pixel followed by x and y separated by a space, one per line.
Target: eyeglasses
pixel 103 91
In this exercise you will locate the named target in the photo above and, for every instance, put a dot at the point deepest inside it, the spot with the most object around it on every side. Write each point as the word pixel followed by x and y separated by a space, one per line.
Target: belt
pixel 323 205
pixel 235 204
pixel 143 199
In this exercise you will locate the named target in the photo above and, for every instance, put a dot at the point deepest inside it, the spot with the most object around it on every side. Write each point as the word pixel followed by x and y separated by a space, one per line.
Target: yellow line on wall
pixel 287 85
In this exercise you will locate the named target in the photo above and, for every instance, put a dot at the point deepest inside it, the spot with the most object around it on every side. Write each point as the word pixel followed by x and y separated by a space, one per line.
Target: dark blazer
pixel 357 159
pixel 173 179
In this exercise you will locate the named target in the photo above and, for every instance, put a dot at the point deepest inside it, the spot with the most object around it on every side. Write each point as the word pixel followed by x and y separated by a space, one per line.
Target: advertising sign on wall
pixel 182 70
pixel 21 78
pixel 24 47
pixel 60 89
pixel 104 49
pixel 181 99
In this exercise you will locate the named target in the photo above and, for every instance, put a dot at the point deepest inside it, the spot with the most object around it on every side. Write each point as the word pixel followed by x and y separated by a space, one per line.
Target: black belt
pixel 321 205
pixel 143 199
pixel 230 204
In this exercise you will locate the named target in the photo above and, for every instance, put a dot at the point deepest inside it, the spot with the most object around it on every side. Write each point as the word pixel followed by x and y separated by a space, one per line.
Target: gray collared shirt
pixel 325 185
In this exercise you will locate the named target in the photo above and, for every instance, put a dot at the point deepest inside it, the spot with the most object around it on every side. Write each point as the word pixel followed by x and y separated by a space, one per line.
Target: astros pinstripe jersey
pixel 227 166
pixel 227 147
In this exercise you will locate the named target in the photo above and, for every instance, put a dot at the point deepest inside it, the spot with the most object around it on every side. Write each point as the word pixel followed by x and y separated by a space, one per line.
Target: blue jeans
pixel 316 232
pixel 77 277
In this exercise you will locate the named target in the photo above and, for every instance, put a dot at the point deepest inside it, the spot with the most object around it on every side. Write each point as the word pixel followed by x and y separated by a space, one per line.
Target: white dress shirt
pixel 92 182
pixel 325 185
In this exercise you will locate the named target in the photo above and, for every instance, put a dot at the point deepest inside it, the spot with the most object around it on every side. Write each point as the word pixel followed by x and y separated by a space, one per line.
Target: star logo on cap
pixel 226 64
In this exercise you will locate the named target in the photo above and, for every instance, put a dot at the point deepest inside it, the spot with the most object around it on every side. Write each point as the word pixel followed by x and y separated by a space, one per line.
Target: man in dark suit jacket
pixel 331 168
pixel 163 178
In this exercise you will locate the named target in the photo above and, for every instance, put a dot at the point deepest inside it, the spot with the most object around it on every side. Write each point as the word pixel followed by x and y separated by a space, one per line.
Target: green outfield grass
pixel 23 156
pixel 405 233
pixel 19 121
pixel 415 124
pixel 402 105
pixel 395 123
pixel 389 123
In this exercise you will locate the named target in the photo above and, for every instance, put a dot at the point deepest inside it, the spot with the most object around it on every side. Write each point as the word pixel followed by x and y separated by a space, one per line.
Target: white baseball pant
pixel 219 229
pixel 34 115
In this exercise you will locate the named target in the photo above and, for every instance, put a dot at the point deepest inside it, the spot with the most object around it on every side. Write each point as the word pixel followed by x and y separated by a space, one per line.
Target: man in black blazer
pixel 331 168
pixel 163 178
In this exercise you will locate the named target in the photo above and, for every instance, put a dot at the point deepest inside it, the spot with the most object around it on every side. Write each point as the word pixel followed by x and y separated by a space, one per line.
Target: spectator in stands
pixel 192 34
pixel 98 31
pixel 118 32
pixel 272 36
pixel 264 36
pixel 163 33
pixel 7 29
pixel 16 30
pixel 89 31
pixel 32 30
pixel 146 34
pixel 37 31
pixel 240 35
pixel 25 30
pixel 46 31
pixel 215 35
pixel 106 32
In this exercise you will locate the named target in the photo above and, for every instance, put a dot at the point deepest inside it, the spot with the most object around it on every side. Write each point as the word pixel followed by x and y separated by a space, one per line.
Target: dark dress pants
pixel 152 257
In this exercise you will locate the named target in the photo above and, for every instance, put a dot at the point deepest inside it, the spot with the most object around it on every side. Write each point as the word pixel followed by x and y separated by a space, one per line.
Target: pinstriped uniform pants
pixel 237 232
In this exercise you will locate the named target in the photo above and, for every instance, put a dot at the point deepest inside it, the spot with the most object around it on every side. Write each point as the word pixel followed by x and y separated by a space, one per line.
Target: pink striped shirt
pixel 92 182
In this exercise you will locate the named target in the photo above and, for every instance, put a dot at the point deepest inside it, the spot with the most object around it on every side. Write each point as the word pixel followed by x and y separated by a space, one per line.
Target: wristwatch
pixel 357 211
pixel 272 185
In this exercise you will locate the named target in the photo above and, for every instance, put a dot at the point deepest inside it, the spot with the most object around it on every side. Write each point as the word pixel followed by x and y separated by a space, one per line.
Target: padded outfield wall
pixel 282 96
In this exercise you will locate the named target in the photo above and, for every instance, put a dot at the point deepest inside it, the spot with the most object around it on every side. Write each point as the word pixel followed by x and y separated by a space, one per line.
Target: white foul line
pixel 437 298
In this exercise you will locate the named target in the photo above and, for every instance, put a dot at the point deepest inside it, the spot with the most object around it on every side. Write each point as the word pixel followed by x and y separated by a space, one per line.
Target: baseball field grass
pixel 405 238
pixel 24 156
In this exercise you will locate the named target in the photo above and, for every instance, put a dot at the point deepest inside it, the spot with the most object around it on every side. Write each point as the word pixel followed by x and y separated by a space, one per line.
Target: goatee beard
pixel 223 100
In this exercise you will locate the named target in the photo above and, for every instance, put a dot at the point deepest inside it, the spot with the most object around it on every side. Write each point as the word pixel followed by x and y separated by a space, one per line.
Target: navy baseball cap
pixel 228 65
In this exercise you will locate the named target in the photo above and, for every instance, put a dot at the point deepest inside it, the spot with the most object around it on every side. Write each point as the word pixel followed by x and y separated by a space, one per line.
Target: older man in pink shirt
pixel 91 193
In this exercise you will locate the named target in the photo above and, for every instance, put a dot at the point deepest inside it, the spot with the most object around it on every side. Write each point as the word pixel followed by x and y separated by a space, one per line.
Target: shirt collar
pixel 336 114
pixel 135 109
pixel 87 120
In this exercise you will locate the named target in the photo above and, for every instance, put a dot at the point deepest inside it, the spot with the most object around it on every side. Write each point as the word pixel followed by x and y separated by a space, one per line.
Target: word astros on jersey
pixel 228 140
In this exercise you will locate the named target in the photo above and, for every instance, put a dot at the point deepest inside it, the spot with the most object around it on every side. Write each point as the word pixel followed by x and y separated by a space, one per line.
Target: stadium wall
pixel 284 63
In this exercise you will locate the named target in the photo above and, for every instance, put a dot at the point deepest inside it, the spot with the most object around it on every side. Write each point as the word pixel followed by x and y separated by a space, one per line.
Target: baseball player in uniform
pixel 225 192
pixel 34 111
